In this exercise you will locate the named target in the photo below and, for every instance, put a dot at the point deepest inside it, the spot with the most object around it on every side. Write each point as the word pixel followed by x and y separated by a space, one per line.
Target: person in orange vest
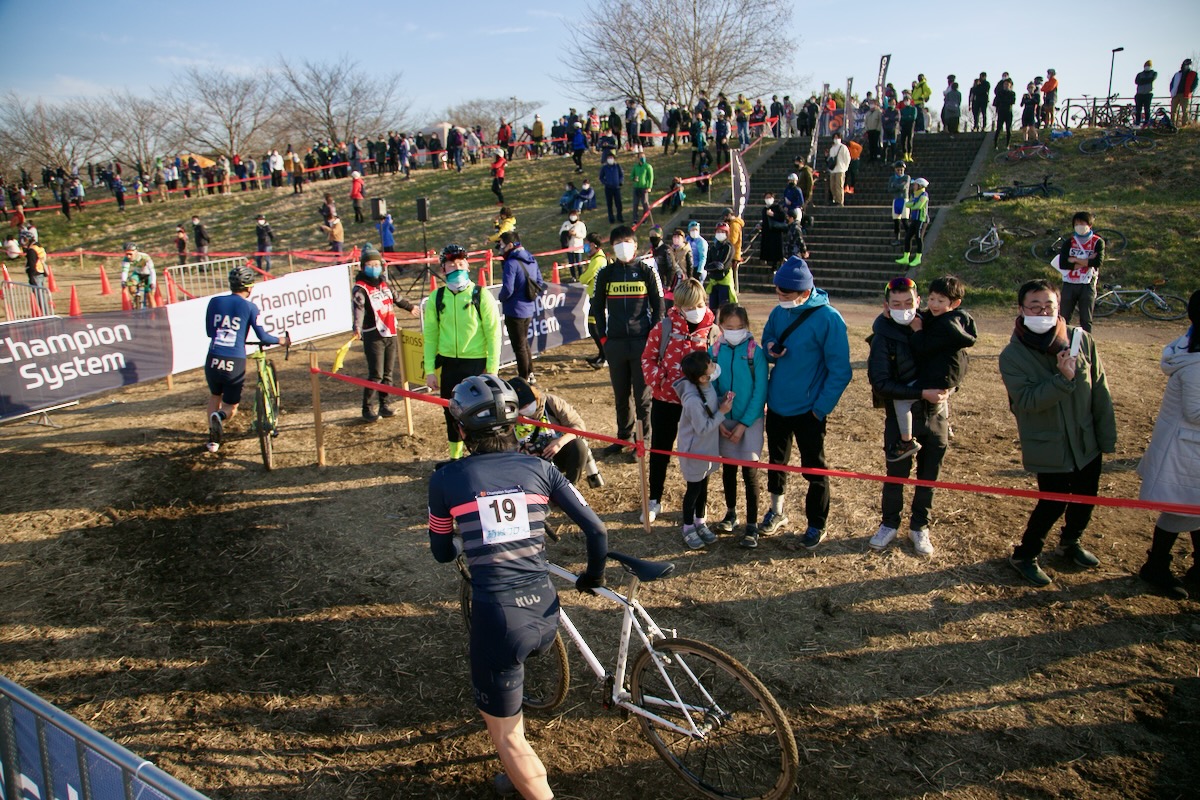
pixel 374 304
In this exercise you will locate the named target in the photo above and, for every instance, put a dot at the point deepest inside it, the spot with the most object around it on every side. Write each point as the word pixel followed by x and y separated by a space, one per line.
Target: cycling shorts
pixel 508 627
pixel 899 209
pixel 225 376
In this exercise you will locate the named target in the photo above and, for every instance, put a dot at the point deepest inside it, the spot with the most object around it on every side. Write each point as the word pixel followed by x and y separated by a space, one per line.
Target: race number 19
pixel 503 516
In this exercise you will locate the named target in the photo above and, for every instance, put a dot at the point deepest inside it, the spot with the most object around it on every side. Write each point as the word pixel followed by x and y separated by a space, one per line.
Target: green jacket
pixel 459 331
pixel 643 175
pixel 918 206
pixel 1063 425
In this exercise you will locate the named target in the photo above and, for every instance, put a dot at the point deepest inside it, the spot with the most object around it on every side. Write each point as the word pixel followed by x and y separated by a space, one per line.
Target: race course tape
pixel 973 488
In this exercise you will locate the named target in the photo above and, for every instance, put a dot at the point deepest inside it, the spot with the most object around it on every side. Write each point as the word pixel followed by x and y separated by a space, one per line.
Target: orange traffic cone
pixel 432 284
pixel 33 304
pixel 125 304
pixel 157 300
pixel 51 284
pixel 105 289
pixel 74 309
pixel 554 274
pixel 6 279
pixel 171 290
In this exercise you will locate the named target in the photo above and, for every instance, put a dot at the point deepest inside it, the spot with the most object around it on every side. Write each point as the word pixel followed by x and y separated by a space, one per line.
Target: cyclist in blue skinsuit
pixel 499 499
pixel 228 319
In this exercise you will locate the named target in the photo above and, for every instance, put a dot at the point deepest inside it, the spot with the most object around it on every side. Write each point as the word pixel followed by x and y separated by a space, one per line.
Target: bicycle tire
pixel 1008 157
pixel 1046 249
pixel 1046 154
pixel 1161 129
pixel 1091 147
pixel 749 750
pixel 1052 191
pixel 547 675
pixel 1140 143
pixel 262 421
pixel 1021 233
pixel 1163 307
pixel 1106 305
pixel 1114 240
pixel 978 255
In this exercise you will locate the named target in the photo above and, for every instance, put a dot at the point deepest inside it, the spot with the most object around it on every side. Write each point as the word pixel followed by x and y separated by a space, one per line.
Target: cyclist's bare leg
pixel 521 764
pixel 215 404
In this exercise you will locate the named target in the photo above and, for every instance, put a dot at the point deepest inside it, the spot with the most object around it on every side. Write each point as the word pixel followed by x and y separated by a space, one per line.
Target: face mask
pixel 458 280
pixel 573 218
pixel 788 303
pixel 587 186
pixel 373 272
pixel 1040 324
pixel 716 373
pixel 903 315
pixel 1082 230
pixel 529 410
pixel 624 251
pixel 720 237
pixel 611 161
pixel 655 241
pixel 770 201
pixel 694 315
pixel 736 337
pixel 693 234
pixel 675 240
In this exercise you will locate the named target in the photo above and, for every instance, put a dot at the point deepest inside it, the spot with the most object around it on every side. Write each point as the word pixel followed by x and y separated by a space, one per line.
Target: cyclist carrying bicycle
pixel 228 319
pixel 498 498
pixel 137 273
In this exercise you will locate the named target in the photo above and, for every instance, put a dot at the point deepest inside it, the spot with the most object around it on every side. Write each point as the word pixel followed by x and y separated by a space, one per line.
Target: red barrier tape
pixel 973 488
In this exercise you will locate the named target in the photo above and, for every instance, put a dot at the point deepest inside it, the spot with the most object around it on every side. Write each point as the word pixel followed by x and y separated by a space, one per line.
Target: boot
pixel 902 259
pixel 1157 569
pixel 1192 576
pixel 367 412
pixel 916 261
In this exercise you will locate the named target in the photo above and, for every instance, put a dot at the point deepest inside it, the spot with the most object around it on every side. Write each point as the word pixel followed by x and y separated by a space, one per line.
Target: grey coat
pixel 1170 469
pixel 698 432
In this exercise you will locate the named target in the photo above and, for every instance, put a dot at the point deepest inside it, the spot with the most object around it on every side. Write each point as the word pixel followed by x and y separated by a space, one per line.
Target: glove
pixel 585 583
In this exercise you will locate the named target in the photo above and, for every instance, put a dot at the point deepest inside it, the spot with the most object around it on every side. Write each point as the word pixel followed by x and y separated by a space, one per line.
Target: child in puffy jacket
pixel 699 424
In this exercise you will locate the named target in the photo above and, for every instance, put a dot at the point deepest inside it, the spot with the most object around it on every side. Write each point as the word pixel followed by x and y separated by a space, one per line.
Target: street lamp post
pixel 1111 65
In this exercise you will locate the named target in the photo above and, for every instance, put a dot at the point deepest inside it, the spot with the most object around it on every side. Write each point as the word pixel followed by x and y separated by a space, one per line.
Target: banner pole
pixel 170 382
pixel 643 480
pixel 404 383
pixel 316 401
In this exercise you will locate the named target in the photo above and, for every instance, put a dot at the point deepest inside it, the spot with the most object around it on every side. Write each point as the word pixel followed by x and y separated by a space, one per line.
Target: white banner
pixel 308 305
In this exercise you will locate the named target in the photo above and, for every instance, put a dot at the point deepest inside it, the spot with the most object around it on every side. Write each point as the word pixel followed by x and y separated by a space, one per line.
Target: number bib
pixel 503 516
pixel 225 337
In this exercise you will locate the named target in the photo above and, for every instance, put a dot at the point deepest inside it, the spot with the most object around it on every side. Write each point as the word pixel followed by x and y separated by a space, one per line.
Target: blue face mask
pixel 457 280
pixel 373 272
pixel 587 248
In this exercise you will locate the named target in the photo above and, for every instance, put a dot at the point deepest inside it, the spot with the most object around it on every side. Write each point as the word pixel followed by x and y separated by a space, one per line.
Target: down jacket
pixel 1170 469
pixel 662 375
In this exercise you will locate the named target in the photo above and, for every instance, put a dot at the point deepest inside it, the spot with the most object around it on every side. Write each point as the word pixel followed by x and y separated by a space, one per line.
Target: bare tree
pixel 222 112
pixel 138 130
pixel 683 47
pixel 486 112
pixel 335 101
pixel 37 134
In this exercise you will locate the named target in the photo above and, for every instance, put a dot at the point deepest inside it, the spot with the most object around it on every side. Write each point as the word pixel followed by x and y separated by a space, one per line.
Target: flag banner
pixel 741 182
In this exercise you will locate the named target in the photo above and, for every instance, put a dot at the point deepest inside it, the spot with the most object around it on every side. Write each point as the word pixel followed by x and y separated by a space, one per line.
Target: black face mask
pixel 655 241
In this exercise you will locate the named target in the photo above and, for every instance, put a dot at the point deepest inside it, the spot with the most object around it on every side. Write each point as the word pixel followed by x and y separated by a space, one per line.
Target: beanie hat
pixel 723 228
pixel 693 224
pixel 794 276
pixel 369 253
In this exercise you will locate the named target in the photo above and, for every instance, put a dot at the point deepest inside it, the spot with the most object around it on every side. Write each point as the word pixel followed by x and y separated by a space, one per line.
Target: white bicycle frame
pixel 636 618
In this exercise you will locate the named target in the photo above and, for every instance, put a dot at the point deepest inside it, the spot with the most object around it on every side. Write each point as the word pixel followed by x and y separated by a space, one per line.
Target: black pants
pixel 595 334
pixel 1004 120
pixel 979 118
pixel 380 352
pixel 577 157
pixel 695 498
pixel 630 391
pixel 932 434
pixel 664 422
pixel 612 196
pixel 906 137
pixel 729 483
pixel 809 435
pixel 1046 513
pixel 497 188
pixel 518 334
pixel 454 371
pixel 1081 296
pixel 913 235
pixel 1141 108
pixel 571 458
pixel 873 145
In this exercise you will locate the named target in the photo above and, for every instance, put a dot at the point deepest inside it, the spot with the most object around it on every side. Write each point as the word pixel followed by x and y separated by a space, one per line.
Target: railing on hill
pixel 1100 112
pixel 204 277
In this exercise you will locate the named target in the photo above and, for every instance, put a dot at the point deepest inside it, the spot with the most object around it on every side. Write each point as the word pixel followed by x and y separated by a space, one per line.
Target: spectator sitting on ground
pixel 586 201
pixel 569 196
pixel 569 452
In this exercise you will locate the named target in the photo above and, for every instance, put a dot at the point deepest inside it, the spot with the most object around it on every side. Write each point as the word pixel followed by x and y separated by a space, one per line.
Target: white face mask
pixel 736 337
pixel 528 411
pixel 573 218
pixel 788 303
pixel 694 315
pixel 1040 324
pixel 677 241
pixel 721 237
pixel 903 315
pixel 624 251
pixel 1082 230
pixel 716 373
pixel 770 201
pixel 611 161
pixel 694 234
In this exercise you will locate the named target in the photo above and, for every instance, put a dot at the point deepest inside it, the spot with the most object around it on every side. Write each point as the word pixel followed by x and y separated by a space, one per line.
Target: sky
pixel 501 50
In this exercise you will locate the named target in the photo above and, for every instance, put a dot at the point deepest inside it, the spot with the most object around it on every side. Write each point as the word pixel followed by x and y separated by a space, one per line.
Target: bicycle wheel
pixel 1140 143
pixel 1046 153
pixel 1163 306
pixel 1022 233
pixel 1046 249
pixel 547 675
pixel 1114 240
pixel 1106 305
pixel 747 749
pixel 262 421
pixel 1052 191
pixel 1008 157
pixel 981 255
pixel 1090 147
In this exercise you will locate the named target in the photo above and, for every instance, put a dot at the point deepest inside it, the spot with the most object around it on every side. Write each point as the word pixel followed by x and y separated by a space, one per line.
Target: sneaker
pixel 882 538
pixel 532 379
pixel 653 508
pixel 601 364
pixel 749 538
pixel 902 259
pixel 902 450
pixel 386 411
pixel 729 522
pixel 369 415
pixel 812 537
pixel 613 449
pixel 706 534
pixel 916 261
pixel 691 538
pixel 216 428
pixel 212 447
pixel 1075 552
pixel 771 522
pixel 595 481
pixel 921 543
pixel 1163 581
pixel 1030 571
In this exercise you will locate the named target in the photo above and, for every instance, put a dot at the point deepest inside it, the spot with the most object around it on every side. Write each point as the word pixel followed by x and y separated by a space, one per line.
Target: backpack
pixel 716 350
pixel 664 340
pixel 534 288
pixel 439 300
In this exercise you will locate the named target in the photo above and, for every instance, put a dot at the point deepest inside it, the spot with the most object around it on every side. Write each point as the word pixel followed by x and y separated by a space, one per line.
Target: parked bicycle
pixel 1117 137
pixel 1018 190
pixel 707 716
pixel 1097 116
pixel 1160 124
pixel 1017 153
pixel 266 402
pixel 1047 248
pixel 1152 303
pixel 985 248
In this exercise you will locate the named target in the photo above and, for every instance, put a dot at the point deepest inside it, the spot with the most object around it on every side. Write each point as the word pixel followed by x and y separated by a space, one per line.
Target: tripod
pixel 421 279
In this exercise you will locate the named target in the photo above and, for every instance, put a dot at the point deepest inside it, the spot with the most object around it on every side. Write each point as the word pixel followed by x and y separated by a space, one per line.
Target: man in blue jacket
pixel 520 268
pixel 805 342
pixel 611 177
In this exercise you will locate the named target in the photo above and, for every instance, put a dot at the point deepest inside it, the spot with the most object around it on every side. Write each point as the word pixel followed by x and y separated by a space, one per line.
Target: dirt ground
pixel 287 634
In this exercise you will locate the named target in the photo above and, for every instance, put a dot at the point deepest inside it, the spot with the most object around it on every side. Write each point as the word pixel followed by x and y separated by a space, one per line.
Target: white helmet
pixel 921 182
pixel 355 174
pixel 793 177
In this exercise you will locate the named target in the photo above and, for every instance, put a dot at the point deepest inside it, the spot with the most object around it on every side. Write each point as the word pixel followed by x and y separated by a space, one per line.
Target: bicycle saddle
pixel 644 571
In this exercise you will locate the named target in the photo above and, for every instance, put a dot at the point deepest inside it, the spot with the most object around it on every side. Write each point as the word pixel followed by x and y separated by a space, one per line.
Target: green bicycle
pixel 266 402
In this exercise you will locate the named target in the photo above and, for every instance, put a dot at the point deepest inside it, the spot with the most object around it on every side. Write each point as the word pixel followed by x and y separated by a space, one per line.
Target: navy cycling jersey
pixel 500 501
pixel 229 319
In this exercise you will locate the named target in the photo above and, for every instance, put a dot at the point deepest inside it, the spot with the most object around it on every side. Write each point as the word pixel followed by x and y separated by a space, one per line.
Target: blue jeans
pixel 743 128
pixel 264 261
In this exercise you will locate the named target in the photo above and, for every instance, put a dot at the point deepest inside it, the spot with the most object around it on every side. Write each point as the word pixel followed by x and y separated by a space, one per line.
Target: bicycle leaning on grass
pixel 266 401
pixel 1017 190
pixel 705 714
pixel 985 248
pixel 1018 153
pixel 1121 136
pixel 1152 303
